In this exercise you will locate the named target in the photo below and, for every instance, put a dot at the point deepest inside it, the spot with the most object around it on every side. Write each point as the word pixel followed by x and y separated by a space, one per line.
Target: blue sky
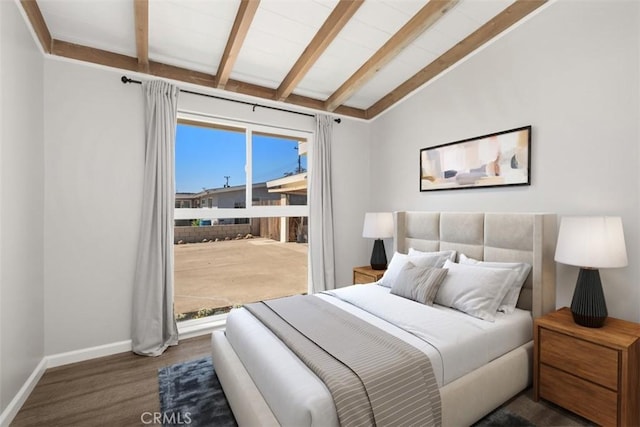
pixel 205 156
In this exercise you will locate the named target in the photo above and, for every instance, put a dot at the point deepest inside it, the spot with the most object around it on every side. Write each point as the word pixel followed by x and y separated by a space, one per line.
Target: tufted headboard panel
pixel 504 237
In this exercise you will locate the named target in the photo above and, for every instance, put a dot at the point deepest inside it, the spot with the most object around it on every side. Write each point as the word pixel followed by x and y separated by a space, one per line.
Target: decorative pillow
pixel 418 283
pixel 508 304
pixel 475 291
pixel 424 259
pixel 450 254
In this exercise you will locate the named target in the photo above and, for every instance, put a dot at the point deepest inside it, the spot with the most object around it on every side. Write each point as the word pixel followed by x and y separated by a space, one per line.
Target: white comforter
pixel 455 343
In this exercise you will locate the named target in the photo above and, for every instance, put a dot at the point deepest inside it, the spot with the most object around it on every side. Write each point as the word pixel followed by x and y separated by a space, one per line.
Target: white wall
pixel 94 157
pixel 571 71
pixel 351 180
pixel 21 201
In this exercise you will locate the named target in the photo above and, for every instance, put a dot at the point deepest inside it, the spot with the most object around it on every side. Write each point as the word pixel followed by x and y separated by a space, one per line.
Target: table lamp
pixel 378 225
pixel 590 243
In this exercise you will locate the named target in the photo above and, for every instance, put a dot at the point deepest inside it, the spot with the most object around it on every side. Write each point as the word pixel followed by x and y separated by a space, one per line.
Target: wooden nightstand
pixel 366 274
pixel 593 372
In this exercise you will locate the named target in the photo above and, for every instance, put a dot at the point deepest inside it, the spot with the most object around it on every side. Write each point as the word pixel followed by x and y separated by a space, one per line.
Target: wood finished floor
pixel 116 390
pixel 109 391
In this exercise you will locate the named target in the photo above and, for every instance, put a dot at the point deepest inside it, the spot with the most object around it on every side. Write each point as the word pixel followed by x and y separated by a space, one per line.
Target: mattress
pixel 455 343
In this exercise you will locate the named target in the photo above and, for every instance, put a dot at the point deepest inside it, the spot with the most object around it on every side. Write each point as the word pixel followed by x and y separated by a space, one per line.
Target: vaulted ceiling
pixel 349 57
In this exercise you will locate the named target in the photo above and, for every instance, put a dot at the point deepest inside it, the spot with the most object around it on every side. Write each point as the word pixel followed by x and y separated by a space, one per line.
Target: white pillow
pixel 418 283
pixel 508 304
pixel 475 291
pixel 424 259
pixel 450 254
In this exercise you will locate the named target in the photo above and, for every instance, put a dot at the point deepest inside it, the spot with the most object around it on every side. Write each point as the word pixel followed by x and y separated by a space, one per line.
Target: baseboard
pixel 52 361
pixel 187 330
pixel 74 356
pixel 10 412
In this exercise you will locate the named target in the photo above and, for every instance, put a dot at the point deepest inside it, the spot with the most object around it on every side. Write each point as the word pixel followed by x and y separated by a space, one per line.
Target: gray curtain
pixel 321 208
pixel 153 322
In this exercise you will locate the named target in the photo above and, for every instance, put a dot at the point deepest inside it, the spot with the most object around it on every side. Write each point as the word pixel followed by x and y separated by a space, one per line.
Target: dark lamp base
pixel 588 305
pixel 378 256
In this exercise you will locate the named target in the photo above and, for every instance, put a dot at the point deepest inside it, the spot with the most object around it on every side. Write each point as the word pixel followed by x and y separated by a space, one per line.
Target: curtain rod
pixel 126 79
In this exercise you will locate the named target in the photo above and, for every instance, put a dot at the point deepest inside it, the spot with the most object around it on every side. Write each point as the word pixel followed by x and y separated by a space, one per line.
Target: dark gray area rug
pixel 503 417
pixel 190 393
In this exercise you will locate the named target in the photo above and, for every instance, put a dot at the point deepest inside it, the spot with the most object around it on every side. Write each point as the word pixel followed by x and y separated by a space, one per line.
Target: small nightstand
pixel 366 274
pixel 590 371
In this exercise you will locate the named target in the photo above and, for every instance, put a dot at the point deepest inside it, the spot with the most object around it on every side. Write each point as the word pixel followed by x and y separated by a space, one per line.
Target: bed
pixel 262 390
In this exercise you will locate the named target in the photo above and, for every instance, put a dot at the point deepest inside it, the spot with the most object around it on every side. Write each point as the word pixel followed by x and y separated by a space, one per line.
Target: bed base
pixel 464 401
pixel 507 237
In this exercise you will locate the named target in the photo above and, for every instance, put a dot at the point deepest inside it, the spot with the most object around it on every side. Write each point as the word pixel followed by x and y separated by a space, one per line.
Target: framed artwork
pixel 494 160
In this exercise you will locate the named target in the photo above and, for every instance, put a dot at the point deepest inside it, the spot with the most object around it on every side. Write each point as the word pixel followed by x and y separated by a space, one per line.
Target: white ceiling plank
pixel 367 32
pixel 266 60
pixel 190 32
pixel 455 25
pixel 388 78
pixel 102 24
pixel 192 35
pixel 308 14
pixel 388 17
pixel 482 11
pixel 275 41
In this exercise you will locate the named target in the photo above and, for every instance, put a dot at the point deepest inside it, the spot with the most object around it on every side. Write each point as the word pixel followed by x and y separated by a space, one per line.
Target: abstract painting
pixel 498 159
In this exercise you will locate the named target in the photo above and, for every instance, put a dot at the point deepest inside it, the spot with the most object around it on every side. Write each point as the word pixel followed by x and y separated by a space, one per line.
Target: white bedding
pixel 456 344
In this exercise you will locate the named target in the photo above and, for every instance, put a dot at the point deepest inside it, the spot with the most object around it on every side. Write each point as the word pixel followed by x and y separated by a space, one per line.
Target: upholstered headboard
pixel 506 237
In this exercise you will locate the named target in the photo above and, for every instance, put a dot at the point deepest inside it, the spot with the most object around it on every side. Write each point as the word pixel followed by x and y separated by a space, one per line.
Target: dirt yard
pixel 226 273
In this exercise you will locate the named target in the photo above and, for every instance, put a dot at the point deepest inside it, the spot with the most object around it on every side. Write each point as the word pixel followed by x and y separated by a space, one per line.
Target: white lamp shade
pixel 593 242
pixel 378 225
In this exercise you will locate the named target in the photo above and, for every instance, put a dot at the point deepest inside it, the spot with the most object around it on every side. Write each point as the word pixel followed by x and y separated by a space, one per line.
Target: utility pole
pixel 299 170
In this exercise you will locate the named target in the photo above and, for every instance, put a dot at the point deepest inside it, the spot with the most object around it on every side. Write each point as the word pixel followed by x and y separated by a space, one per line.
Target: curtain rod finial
pixel 125 80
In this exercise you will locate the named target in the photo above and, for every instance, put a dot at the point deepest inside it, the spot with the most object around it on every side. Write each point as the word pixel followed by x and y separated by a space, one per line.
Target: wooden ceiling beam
pixel 501 22
pixel 418 24
pixel 246 12
pixel 123 62
pixel 507 18
pixel 141 13
pixel 92 55
pixel 301 101
pixel 336 21
pixel 38 24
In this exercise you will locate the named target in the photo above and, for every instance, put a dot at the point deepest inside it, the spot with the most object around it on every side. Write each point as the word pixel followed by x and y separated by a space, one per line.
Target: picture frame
pixel 494 160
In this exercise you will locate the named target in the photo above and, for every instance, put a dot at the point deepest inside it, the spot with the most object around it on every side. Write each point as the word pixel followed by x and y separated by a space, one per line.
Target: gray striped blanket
pixel 374 377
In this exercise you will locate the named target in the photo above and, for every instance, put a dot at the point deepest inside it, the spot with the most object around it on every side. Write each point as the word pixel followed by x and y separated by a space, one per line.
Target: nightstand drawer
pixel 366 274
pixel 359 278
pixel 585 359
pixel 590 371
pixel 582 397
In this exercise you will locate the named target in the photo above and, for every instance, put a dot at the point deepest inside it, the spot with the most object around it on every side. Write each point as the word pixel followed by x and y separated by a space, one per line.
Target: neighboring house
pixel 291 190
pixel 222 198
pixel 294 186
pixel 225 197
pixel 288 190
